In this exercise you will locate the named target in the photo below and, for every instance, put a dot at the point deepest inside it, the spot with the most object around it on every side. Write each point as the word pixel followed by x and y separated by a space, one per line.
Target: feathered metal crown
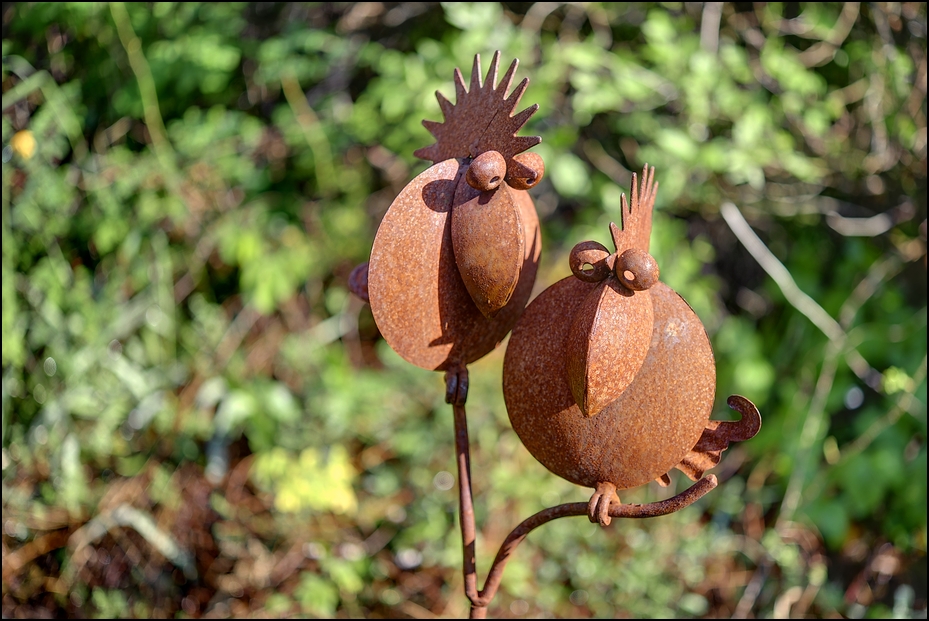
pixel 480 119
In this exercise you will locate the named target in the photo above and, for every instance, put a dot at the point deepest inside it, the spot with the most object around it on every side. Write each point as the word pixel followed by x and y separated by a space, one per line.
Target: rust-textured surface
pixel 525 171
pixel 480 120
pixel 718 435
pixel 488 243
pixel 418 298
pixel 607 344
pixel 591 261
pixel 609 377
pixel 605 394
pixel 638 437
pixel 609 335
pixel 455 257
pixel 613 510
pixel 637 214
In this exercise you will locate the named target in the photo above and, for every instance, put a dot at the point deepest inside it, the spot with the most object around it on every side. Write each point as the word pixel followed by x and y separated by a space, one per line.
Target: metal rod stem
pixel 480 600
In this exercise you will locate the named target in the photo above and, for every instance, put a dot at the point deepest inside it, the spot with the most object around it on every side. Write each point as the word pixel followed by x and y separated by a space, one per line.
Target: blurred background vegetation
pixel 198 420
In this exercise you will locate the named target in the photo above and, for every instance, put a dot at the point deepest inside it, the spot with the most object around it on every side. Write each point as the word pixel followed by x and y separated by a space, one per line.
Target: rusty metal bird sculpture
pixel 609 377
pixel 455 257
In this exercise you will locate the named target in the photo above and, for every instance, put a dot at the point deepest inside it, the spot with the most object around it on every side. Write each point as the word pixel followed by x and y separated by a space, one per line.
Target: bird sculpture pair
pixel 609 378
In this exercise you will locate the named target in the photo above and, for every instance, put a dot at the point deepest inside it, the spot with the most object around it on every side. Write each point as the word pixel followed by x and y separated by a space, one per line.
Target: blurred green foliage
pixel 187 186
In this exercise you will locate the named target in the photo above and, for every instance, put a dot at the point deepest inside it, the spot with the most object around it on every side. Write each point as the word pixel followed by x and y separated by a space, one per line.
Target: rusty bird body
pixel 455 257
pixel 609 376
pixel 418 294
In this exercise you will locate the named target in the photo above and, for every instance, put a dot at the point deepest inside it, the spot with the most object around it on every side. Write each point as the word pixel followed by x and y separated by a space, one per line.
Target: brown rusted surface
pixel 636 269
pixel 609 335
pixel 637 216
pixel 616 510
pixel 418 298
pixel 486 171
pixel 639 436
pixel 598 507
pixel 609 377
pixel 607 344
pixel 583 347
pixel 488 243
pixel 604 506
pixel 452 266
pixel 480 119
pixel 717 436
pixel 526 171
pixel 590 261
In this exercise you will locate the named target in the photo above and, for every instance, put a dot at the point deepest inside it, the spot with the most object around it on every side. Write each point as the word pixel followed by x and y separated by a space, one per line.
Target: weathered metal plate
pixel 418 298
pixel 480 120
pixel 641 435
pixel 607 344
pixel 488 242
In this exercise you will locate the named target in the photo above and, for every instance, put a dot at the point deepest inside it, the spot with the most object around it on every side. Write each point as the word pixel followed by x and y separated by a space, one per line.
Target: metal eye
pixel 487 171
pixel 590 261
pixel 637 269
pixel 526 170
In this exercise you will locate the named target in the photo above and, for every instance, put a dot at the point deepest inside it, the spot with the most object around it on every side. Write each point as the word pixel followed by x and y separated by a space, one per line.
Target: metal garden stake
pixel 609 377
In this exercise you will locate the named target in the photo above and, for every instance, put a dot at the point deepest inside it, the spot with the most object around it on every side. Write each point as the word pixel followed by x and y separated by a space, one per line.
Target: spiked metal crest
pixel 637 217
pixel 480 120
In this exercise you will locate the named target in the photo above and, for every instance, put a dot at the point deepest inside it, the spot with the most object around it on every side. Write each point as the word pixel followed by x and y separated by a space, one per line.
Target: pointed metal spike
pixel 507 80
pixel 432 127
pixel 520 119
pixel 445 105
pixel 475 75
pixel 651 185
pixel 615 232
pixel 491 81
pixel 427 153
pixel 634 194
pixel 460 90
pixel 513 100
pixel 521 143
pixel 646 185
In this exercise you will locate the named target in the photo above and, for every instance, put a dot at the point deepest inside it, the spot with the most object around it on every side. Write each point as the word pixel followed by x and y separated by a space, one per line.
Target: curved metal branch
pixel 653 509
pixel 480 600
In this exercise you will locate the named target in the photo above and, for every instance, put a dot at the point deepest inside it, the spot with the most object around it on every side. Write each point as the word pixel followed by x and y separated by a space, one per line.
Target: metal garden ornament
pixel 609 378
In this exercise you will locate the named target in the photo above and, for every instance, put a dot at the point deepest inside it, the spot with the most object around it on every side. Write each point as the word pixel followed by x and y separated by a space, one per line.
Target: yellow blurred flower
pixel 23 143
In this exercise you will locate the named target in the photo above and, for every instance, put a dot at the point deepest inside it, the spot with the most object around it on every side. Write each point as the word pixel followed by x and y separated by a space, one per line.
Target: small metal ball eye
pixel 637 269
pixel 526 171
pixel 590 261
pixel 487 171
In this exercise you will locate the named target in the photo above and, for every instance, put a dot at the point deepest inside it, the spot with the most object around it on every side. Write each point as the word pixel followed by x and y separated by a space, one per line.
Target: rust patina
pixel 609 377
pixel 455 257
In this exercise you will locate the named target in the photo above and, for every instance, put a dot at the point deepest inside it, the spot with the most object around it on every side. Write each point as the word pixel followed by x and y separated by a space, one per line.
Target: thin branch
pixel 824 51
pixel 606 164
pixel 312 132
pixel 814 421
pixel 143 75
pixel 806 305
pixel 709 26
